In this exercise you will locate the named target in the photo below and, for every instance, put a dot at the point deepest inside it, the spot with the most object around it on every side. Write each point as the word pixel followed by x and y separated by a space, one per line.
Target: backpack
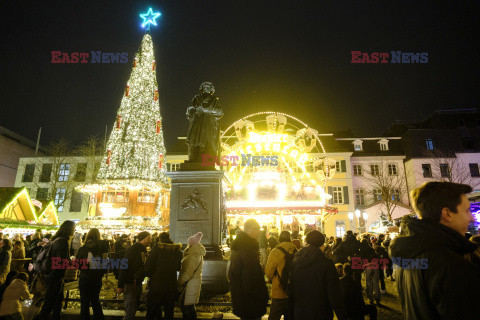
pixel 284 279
pixel 43 263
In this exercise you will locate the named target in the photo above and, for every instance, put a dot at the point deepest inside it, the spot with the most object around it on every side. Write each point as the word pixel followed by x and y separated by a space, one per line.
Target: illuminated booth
pixel 278 170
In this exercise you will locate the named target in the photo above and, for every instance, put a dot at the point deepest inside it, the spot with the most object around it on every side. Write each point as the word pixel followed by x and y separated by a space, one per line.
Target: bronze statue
pixel 203 116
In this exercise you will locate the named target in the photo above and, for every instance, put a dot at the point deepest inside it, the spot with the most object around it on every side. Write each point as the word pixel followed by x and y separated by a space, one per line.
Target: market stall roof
pixel 289 205
pixel 16 205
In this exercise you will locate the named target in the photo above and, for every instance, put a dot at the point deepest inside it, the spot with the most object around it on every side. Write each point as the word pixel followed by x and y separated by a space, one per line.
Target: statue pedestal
pixel 196 205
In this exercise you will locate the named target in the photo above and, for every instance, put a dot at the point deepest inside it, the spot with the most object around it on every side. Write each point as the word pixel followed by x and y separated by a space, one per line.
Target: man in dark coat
pixel 247 280
pixel 314 283
pixel 441 284
pixel 130 279
pixel 353 297
pixel 161 267
pixel 350 247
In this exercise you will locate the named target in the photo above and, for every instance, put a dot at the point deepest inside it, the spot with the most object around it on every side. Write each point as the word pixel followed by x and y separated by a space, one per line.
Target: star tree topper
pixel 149 18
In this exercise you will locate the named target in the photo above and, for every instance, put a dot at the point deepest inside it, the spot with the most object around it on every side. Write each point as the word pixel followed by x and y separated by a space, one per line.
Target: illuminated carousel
pixel 278 170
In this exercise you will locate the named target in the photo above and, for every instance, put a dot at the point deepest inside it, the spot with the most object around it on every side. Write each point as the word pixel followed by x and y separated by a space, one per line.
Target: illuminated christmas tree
pixel 135 156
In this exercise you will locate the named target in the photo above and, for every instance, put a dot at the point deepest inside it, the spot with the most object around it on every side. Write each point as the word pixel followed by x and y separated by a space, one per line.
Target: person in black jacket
pixel 314 283
pixel 353 298
pixel 371 272
pixel 161 267
pixel 130 279
pixel 440 283
pixel 349 247
pixel 247 280
pixel 90 280
pixel 54 278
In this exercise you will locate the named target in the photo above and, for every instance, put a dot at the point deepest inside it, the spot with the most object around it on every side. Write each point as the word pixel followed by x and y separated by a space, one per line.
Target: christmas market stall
pixel 21 214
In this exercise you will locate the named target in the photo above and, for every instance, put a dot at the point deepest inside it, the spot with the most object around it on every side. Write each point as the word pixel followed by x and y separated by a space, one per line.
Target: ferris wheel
pixel 275 151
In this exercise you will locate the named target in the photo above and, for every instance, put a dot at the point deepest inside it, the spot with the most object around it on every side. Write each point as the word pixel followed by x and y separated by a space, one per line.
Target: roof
pixel 371 146
pixel 7 195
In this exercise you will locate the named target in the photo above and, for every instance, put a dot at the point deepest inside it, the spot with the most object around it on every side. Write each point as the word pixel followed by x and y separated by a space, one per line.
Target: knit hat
pixel 195 239
pixel 315 238
pixel 142 235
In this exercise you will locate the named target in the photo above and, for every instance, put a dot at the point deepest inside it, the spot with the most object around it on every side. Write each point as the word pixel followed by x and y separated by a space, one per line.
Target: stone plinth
pixel 195 205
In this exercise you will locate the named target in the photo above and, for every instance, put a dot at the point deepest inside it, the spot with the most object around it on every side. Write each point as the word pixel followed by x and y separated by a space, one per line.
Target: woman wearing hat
pixel 190 279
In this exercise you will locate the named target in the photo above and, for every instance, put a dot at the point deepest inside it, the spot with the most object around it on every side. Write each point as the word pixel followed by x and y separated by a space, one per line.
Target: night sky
pixel 289 56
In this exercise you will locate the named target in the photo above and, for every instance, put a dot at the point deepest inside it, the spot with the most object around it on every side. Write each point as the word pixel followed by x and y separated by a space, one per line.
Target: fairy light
pixel 135 148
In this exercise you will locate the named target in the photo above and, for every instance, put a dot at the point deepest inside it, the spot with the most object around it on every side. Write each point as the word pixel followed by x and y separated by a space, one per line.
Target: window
pixel 337 195
pixel 357 170
pixel 392 170
pixel 29 171
pixel 29 191
pixel 395 194
pixel 175 166
pixel 338 167
pixel 76 202
pixel 63 172
pixel 60 199
pixel 118 195
pixel 146 196
pixel 81 173
pixel 42 194
pixel 429 143
pixel 46 172
pixel 339 229
pixel 377 195
pixel 360 197
pixel 383 145
pixel 374 170
pixel 468 143
pixel 427 170
pixel 474 170
pixel 358 145
pixel 444 170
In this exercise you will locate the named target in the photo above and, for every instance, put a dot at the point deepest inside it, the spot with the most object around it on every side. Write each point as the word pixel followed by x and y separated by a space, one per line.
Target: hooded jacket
pixel 276 262
pixel 191 273
pixel 16 291
pixel 135 256
pixel 247 280
pixel 161 267
pixel 448 287
pixel 315 286
pixel 98 248
pixel 5 261
pixel 350 247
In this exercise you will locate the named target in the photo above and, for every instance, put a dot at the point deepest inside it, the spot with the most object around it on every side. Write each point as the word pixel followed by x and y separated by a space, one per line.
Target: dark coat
pixel 161 267
pixel 135 255
pixel 350 247
pixel 352 296
pixel 448 288
pixel 315 286
pixel 60 248
pixel 98 248
pixel 247 280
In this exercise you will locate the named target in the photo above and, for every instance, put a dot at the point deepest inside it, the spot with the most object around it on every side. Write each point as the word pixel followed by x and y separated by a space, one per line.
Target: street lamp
pixel 357 213
pixel 350 216
pixel 365 216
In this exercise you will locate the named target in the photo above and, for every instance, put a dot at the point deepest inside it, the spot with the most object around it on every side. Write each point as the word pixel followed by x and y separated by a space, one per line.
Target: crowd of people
pixel 312 277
